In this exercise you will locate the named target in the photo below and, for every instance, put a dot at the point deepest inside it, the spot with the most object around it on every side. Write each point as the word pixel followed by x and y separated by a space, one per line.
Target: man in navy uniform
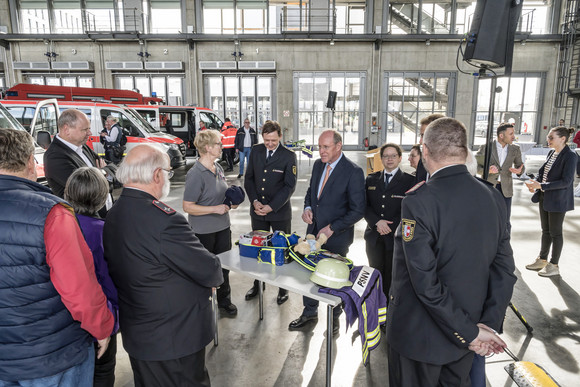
pixel 452 270
pixel 164 276
pixel 334 202
pixel 270 182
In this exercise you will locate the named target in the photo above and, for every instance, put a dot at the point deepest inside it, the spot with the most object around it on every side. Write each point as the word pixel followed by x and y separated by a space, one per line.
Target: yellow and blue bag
pixel 275 251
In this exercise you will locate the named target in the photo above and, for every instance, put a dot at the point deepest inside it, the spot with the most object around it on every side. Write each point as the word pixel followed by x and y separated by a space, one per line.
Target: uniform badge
pixel 408 229
pixel 163 207
pixel 294 170
pixel 372 188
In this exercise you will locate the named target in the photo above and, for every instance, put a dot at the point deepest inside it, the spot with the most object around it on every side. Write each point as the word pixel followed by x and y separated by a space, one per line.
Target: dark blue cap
pixel 234 195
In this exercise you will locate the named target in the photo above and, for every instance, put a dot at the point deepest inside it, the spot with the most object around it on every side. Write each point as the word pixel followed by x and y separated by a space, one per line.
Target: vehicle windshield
pixel 138 117
pixel 7 121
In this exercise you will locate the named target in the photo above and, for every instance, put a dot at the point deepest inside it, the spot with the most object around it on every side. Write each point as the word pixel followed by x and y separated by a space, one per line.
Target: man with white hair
pixel 163 276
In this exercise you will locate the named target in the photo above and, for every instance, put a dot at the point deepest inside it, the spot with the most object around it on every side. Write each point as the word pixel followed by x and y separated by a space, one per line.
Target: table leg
pixel 329 329
pixel 215 315
pixel 261 299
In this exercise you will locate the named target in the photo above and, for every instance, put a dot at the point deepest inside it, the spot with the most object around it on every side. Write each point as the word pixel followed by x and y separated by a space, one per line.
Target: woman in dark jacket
pixel 554 192
pixel 87 190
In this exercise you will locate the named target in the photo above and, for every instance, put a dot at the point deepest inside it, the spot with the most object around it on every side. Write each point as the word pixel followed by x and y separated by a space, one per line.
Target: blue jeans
pixel 80 375
pixel 244 154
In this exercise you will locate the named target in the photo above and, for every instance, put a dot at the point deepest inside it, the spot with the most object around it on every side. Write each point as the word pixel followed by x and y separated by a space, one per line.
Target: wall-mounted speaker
pixel 331 101
pixel 490 41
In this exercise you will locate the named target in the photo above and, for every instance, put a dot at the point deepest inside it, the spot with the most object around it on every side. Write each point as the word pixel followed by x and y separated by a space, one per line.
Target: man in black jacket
pixel 452 269
pixel 164 277
pixel 69 151
pixel 245 139
pixel 270 181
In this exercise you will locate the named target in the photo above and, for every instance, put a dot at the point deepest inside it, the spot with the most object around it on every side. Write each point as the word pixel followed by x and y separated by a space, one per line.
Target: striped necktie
pixel 328 168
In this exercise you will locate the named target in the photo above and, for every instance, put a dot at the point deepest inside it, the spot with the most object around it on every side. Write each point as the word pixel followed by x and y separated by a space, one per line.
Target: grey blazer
pixel 513 159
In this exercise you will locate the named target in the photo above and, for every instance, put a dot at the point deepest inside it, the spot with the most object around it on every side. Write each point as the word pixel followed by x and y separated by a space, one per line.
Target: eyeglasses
pixel 218 143
pixel 390 157
pixel 170 172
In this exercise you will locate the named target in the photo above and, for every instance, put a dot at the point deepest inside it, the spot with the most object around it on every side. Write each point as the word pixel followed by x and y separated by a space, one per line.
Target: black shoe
pixel 229 170
pixel 253 292
pixel 282 296
pixel 302 321
pixel 240 176
pixel 231 309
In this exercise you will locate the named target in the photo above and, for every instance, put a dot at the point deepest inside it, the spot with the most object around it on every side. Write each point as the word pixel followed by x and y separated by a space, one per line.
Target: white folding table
pixel 292 277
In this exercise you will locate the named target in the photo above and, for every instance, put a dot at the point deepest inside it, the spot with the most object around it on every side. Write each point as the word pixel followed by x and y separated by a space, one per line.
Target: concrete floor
pixel 264 353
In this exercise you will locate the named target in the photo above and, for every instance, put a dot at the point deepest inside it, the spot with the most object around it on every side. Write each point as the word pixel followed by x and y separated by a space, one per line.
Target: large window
pixel 436 17
pixel 519 102
pixel 238 97
pixel 168 87
pixel 277 16
pixel 311 116
pixel 84 80
pixel 408 97
pixel 76 16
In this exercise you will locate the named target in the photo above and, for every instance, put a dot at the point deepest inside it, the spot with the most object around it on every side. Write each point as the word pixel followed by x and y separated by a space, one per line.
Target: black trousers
pixel 229 154
pixel 552 223
pixel 104 375
pixel 380 256
pixel 219 242
pixel 508 204
pixel 272 225
pixel 112 156
pixel 187 371
pixel 404 372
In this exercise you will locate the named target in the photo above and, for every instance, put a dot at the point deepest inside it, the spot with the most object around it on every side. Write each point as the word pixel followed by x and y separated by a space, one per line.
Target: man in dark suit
pixel 384 192
pixel 421 174
pixel 270 182
pixel 69 151
pixel 506 158
pixel 334 202
pixel 164 277
pixel 452 270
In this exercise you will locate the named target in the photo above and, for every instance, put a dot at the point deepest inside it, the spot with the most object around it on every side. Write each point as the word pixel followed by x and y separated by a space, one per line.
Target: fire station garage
pixel 374 73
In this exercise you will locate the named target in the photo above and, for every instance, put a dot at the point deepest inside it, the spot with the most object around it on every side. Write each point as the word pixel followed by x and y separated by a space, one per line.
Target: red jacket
pixel 228 135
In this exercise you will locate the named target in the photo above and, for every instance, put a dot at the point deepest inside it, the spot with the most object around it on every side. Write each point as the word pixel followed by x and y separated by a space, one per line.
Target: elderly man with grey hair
pixel 164 276
pixel 51 300
pixel 111 138
pixel 452 269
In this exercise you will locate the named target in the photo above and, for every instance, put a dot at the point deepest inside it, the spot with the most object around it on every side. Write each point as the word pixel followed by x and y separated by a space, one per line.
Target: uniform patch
pixel 416 187
pixel 294 170
pixel 408 229
pixel 163 207
pixel 372 188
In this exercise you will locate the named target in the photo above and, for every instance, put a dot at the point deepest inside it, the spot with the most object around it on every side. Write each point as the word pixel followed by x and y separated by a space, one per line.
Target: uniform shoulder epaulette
pixel 415 187
pixel 163 207
pixel 376 174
